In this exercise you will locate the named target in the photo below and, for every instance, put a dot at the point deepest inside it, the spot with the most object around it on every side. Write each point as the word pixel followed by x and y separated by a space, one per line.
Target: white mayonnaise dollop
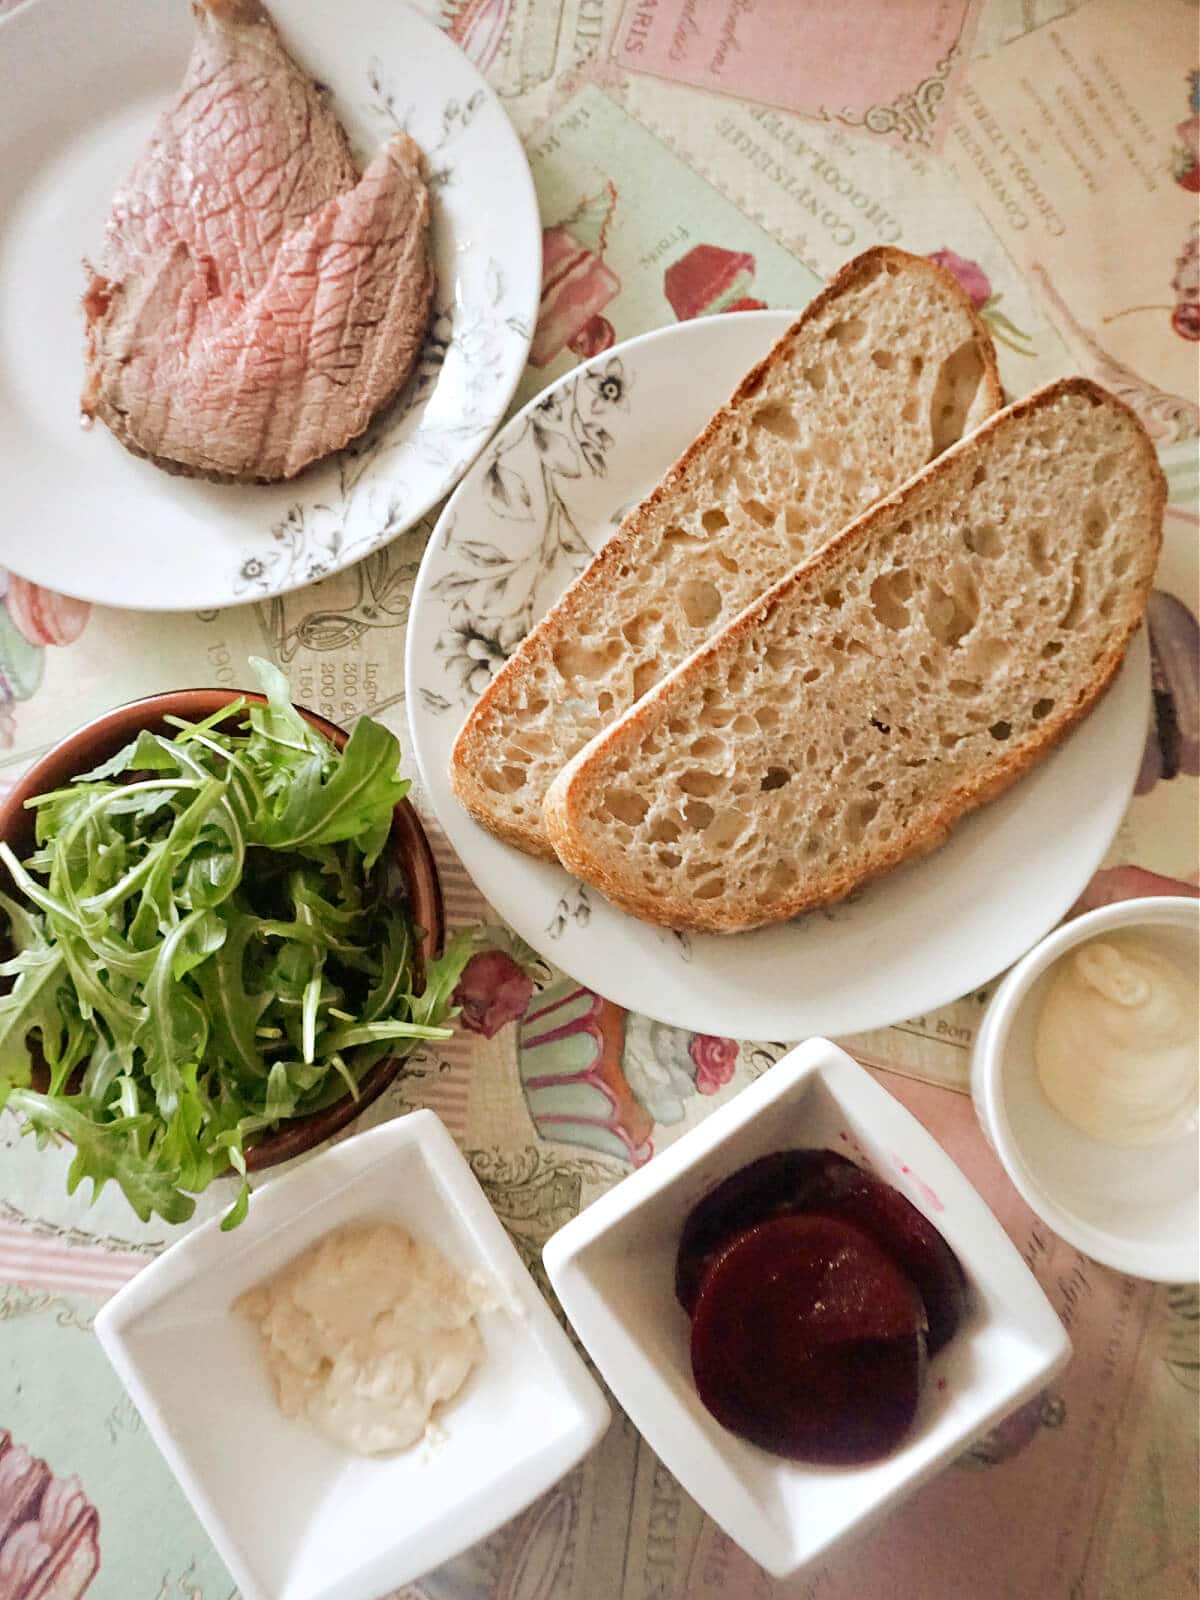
pixel 365 1334
pixel 1115 1044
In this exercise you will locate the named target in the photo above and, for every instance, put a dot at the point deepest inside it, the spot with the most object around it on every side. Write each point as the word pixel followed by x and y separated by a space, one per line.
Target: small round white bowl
pixel 1134 1208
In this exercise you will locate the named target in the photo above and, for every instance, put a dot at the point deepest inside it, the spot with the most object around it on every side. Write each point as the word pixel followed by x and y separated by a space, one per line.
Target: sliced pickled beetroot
pixel 791 1182
pixel 808 1340
pixel 775 1185
pixel 910 1239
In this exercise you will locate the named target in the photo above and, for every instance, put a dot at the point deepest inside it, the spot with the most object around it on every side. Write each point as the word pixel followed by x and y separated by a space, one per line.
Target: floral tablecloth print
pixel 696 160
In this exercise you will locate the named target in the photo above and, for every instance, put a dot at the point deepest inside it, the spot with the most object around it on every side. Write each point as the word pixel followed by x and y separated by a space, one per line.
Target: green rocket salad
pixel 210 945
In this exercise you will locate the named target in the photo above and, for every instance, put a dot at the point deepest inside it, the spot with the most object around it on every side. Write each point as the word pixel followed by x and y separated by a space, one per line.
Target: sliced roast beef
pixel 256 300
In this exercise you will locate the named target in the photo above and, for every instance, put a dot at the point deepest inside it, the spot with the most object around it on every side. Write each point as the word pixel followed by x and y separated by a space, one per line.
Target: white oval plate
pixel 81 514
pixel 546 494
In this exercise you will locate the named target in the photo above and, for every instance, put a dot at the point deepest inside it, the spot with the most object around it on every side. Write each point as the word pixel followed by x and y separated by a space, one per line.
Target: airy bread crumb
pixel 884 370
pixel 910 671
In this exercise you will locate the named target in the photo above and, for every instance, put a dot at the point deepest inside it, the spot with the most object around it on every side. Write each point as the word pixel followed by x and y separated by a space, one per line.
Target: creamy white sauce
pixel 1115 1044
pixel 365 1334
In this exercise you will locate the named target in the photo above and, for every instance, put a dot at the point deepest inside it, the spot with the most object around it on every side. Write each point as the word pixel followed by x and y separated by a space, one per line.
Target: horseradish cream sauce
pixel 365 1334
pixel 1115 1043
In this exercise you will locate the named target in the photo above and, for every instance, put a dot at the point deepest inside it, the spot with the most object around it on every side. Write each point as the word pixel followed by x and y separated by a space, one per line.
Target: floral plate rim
pixel 888 952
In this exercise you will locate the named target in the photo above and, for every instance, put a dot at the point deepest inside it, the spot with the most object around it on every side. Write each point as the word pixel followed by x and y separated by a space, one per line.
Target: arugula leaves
pixel 210 945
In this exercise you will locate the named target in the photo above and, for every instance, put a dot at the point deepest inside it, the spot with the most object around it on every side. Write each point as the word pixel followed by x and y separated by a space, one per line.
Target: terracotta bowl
pixel 88 746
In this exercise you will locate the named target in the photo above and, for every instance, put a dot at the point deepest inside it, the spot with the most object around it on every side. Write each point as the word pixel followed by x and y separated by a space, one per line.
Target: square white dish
pixel 613 1269
pixel 292 1516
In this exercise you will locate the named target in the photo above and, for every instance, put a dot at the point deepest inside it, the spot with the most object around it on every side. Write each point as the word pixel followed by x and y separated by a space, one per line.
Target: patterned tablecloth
pixel 694 154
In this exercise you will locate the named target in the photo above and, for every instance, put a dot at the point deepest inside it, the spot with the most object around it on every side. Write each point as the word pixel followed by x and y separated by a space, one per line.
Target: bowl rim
pixel 298 1135
pixel 1164 1263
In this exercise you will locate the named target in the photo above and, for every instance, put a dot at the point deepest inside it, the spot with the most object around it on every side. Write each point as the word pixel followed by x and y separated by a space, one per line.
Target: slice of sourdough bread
pixel 913 669
pixel 888 366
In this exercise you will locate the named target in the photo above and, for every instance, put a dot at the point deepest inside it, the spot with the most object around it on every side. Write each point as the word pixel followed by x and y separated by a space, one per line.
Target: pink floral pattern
pixel 976 284
pixel 715 1061
pixel 43 616
pixel 493 991
pixel 49 1530
pixel 1185 318
pixel 971 276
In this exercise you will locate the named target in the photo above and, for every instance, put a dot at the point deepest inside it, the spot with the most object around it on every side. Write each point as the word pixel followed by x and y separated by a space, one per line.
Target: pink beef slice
pixel 256 300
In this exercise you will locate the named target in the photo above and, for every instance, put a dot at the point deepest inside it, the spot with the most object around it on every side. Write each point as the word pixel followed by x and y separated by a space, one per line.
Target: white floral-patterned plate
pixel 83 516
pixel 545 495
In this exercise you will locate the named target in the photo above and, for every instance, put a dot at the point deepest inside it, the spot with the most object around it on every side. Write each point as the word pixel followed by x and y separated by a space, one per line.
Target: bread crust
pixel 563 800
pixel 576 603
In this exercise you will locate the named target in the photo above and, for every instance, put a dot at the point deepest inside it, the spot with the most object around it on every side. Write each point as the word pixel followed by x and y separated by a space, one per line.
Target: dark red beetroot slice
pixel 807 1339
pixel 773 1186
pixel 821 1181
pixel 909 1238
